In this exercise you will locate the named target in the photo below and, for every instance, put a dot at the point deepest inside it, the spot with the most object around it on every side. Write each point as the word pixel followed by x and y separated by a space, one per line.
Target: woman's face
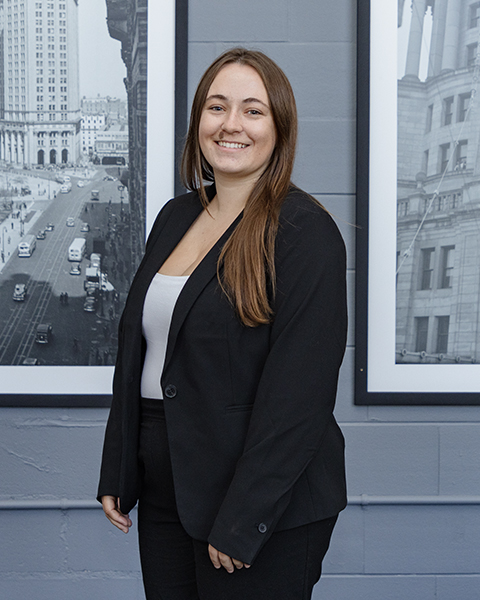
pixel 237 132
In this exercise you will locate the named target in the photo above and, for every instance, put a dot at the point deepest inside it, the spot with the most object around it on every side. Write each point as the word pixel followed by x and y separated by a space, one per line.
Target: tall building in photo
pixel 39 82
pixel 438 193
pixel 127 22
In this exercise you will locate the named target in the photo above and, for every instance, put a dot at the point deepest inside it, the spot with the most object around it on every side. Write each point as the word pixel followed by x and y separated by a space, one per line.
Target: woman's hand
pixel 112 511
pixel 219 559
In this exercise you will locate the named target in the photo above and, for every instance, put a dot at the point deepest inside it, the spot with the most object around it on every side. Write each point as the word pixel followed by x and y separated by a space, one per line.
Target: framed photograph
pixel 418 203
pixel 82 177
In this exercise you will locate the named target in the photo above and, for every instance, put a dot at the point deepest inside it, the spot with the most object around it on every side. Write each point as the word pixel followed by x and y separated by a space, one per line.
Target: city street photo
pixel 70 240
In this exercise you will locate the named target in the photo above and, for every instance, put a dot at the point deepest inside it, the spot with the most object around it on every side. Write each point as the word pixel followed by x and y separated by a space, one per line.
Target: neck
pixel 232 195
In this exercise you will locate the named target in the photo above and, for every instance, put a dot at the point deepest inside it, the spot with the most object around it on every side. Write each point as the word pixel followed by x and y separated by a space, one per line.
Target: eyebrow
pixel 246 101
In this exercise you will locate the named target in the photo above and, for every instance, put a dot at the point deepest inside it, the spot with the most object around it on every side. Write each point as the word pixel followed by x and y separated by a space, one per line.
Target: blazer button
pixel 262 528
pixel 170 391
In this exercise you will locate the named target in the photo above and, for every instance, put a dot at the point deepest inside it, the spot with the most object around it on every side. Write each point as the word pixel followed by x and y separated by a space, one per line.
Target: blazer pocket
pixel 238 408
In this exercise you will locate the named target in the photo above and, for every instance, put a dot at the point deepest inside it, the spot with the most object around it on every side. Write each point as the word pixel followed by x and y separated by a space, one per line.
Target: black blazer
pixel 253 441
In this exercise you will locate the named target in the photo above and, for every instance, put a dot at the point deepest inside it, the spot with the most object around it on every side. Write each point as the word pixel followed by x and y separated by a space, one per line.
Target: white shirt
pixel 160 301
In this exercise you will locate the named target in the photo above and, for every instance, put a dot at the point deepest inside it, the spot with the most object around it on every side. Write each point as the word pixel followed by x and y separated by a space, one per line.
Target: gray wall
pixel 401 544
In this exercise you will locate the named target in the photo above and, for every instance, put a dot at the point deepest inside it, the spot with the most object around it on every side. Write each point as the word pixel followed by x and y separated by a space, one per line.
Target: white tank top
pixel 160 301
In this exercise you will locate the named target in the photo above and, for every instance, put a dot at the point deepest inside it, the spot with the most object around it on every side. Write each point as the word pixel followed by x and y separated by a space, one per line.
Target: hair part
pixel 248 257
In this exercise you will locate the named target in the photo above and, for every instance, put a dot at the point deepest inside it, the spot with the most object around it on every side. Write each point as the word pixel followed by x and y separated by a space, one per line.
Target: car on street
pixel 70 222
pixel 43 334
pixel 41 235
pixel 75 270
pixel 108 178
pixel 85 228
pixel 19 292
pixel 95 259
pixel 30 361
pixel 80 183
pixel 50 227
pixel 90 304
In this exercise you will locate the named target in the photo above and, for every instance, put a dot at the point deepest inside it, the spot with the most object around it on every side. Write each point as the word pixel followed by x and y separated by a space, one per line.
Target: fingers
pixel 219 559
pixel 237 563
pixel 112 511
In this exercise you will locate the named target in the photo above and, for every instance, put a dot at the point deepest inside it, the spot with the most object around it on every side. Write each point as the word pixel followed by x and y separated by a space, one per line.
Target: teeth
pixel 231 145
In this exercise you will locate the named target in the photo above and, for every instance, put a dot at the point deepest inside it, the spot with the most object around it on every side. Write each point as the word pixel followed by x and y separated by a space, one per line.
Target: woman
pixel 225 434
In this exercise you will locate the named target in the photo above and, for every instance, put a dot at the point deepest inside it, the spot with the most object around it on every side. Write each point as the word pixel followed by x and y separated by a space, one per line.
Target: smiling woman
pixel 230 345
pixel 237 132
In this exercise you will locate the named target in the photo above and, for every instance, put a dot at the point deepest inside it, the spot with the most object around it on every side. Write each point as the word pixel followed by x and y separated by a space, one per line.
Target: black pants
pixel 177 567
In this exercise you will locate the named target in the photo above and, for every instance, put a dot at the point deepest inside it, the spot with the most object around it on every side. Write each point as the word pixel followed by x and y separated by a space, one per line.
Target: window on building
pixel 421 334
pixel 447 264
pixel 463 103
pixel 402 208
pixel 447 110
pixel 444 157
pixel 429 118
pixel 425 162
pixel 461 155
pixel 474 15
pixel 426 272
pixel 443 324
pixel 456 199
pixel 471 54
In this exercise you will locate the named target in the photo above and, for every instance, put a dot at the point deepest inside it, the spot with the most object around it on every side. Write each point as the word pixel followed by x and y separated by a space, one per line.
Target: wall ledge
pixel 366 500
pixel 362 500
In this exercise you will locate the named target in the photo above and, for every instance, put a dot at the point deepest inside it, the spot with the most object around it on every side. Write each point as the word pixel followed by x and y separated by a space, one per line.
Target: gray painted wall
pixel 397 549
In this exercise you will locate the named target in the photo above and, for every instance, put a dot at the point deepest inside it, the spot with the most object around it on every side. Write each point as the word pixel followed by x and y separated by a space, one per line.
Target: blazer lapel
pixel 163 244
pixel 201 276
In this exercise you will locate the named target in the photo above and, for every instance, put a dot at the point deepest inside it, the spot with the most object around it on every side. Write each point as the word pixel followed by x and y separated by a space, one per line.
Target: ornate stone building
pixel 39 82
pixel 127 22
pixel 438 189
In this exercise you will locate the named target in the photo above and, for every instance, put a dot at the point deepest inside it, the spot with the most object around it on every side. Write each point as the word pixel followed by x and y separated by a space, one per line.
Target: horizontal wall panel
pixel 313 21
pixel 241 22
pixel 460 459
pixel 377 588
pixel 430 540
pixel 391 459
pixel 323 166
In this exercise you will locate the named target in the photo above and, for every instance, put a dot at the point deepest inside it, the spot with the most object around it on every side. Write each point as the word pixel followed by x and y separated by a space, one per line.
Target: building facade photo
pixel 438 188
pixel 39 82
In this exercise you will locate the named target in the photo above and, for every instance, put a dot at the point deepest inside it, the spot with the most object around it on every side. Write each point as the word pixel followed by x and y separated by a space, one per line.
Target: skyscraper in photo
pixel 39 82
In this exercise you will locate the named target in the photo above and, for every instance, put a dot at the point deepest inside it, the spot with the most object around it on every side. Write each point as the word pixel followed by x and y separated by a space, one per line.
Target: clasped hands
pixel 111 508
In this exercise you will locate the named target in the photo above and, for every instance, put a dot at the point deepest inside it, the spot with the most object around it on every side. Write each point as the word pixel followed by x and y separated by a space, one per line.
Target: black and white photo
pixel 420 230
pixel 73 185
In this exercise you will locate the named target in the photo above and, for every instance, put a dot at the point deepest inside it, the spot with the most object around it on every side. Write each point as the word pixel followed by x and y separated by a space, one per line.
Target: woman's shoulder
pixel 175 206
pixel 179 203
pixel 302 217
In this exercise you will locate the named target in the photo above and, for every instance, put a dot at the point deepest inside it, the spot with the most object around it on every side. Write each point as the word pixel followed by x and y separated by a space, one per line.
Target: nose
pixel 232 122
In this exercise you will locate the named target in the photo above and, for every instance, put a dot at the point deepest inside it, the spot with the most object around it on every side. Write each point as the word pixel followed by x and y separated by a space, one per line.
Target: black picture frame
pixel 44 397
pixel 369 286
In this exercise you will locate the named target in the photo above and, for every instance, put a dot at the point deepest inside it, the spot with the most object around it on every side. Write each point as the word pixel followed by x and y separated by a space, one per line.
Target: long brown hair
pixel 248 256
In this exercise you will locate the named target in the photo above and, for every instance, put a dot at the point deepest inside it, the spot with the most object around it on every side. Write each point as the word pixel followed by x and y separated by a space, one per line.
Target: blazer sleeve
pixel 296 395
pixel 110 471
pixel 109 483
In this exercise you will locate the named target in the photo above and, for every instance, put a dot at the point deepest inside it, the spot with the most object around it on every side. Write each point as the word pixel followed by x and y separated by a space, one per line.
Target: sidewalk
pixel 10 231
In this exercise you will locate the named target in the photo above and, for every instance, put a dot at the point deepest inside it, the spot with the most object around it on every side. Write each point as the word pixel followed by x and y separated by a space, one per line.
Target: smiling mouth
pixel 232 145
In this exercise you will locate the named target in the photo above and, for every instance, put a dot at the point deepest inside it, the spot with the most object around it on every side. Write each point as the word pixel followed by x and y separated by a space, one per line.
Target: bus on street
pixel 77 249
pixel 27 246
